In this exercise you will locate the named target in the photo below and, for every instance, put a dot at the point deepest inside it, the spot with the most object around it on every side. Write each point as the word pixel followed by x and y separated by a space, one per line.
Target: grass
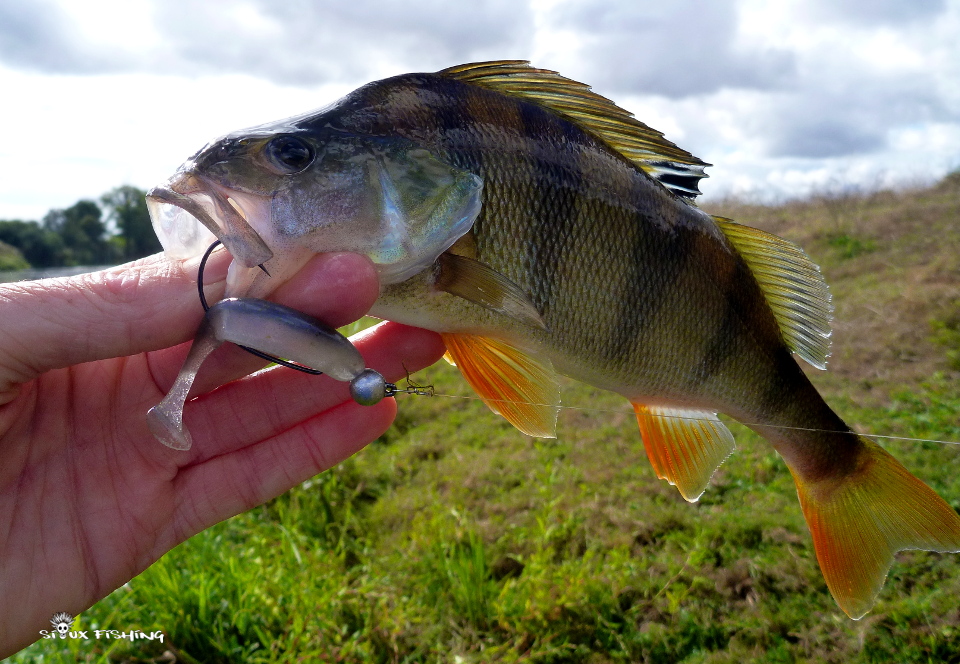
pixel 456 539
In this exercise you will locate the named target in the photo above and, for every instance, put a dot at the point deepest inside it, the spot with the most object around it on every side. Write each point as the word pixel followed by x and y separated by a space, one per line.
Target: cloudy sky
pixel 781 97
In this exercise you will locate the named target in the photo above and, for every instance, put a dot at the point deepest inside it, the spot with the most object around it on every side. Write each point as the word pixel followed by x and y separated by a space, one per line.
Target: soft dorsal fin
pixel 675 168
pixel 793 286
pixel 513 384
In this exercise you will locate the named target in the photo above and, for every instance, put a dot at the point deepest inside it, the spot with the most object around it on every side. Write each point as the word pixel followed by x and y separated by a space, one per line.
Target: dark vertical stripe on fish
pixel 722 345
pixel 553 202
pixel 650 277
pixel 460 125
pixel 738 313
pixel 778 392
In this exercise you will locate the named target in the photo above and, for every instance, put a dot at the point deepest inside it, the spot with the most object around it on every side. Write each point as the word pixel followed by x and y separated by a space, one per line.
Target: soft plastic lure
pixel 266 329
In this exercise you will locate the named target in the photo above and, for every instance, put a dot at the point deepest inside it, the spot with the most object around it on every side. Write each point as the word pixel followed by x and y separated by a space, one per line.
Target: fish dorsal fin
pixel 481 284
pixel 685 446
pixel 793 286
pixel 523 390
pixel 675 168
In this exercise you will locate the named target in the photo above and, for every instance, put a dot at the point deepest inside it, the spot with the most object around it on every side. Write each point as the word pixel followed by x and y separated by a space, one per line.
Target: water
pixel 45 273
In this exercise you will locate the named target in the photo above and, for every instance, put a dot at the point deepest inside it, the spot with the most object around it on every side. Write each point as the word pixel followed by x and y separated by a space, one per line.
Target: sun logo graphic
pixel 62 622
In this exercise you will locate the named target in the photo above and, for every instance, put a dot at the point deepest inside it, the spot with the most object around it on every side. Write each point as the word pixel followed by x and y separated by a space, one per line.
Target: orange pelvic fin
pixel 523 390
pixel 684 446
pixel 860 521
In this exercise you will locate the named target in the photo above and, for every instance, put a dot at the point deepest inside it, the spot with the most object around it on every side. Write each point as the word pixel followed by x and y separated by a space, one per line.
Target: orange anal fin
pixel 860 521
pixel 523 390
pixel 684 446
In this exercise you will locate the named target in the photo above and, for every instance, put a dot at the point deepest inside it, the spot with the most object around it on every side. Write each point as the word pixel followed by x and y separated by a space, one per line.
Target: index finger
pixel 145 305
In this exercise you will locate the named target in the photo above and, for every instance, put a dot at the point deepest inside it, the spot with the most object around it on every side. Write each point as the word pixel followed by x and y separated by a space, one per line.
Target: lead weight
pixel 368 388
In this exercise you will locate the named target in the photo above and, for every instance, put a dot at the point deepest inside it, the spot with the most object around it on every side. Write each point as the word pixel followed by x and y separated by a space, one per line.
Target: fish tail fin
pixel 859 521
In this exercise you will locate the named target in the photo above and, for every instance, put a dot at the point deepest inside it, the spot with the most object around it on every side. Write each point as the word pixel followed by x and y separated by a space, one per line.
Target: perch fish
pixel 543 230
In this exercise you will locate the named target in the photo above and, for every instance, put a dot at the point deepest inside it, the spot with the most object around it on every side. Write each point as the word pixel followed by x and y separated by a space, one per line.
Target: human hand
pixel 88 497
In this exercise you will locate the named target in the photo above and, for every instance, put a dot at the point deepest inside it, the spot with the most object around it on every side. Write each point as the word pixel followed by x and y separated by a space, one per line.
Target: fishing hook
pixel 253 351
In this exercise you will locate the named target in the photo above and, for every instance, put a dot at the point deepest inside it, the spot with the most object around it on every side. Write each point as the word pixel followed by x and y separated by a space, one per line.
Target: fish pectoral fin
pixel 793 286
pixel 481 284
pixel 522 389
pixel 685 446
pixel 860 521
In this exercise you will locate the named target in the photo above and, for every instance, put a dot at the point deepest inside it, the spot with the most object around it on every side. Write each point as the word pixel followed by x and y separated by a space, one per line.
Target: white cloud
pixel 877 12
pixel 780 96
pixel 675 49
pixel 78 137
pixel 297 42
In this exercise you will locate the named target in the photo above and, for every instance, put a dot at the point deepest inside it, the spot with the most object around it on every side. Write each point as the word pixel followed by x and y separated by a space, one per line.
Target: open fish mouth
pixel 188 212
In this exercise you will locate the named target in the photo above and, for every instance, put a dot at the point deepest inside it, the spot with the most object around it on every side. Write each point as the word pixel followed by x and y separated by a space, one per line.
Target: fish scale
pixel 541 229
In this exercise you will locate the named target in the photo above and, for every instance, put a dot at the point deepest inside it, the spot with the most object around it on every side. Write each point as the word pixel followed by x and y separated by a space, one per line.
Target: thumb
pixel 145 305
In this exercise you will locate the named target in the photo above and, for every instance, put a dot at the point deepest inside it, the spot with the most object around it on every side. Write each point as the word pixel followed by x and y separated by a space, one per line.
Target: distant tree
pixel 83 232
pixel 41 247
pixel 79 235
pixel 127 208
pixel 11 258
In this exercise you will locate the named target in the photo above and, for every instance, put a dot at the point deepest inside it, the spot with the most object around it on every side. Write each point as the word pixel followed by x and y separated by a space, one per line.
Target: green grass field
pixel 456 539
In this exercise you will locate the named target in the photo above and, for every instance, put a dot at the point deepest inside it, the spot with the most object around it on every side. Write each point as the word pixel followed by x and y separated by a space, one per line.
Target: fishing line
pixel 680 417
pixel 428 391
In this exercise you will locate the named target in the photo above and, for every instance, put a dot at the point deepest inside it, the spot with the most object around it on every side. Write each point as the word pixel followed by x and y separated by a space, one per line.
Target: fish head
pixel 277 194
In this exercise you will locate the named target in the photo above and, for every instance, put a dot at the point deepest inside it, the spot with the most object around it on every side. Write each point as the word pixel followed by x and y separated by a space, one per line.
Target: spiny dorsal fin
pixel 675 168
pixel 793 286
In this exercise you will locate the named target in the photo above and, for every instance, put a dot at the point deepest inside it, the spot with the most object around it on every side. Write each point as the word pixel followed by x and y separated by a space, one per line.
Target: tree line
pixel 112 230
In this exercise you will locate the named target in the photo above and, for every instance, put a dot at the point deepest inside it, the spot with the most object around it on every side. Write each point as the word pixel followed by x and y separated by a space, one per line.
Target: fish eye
pixel 289 154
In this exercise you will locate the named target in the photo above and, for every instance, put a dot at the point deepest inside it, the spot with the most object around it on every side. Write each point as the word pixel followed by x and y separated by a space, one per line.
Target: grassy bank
pixel 456 539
